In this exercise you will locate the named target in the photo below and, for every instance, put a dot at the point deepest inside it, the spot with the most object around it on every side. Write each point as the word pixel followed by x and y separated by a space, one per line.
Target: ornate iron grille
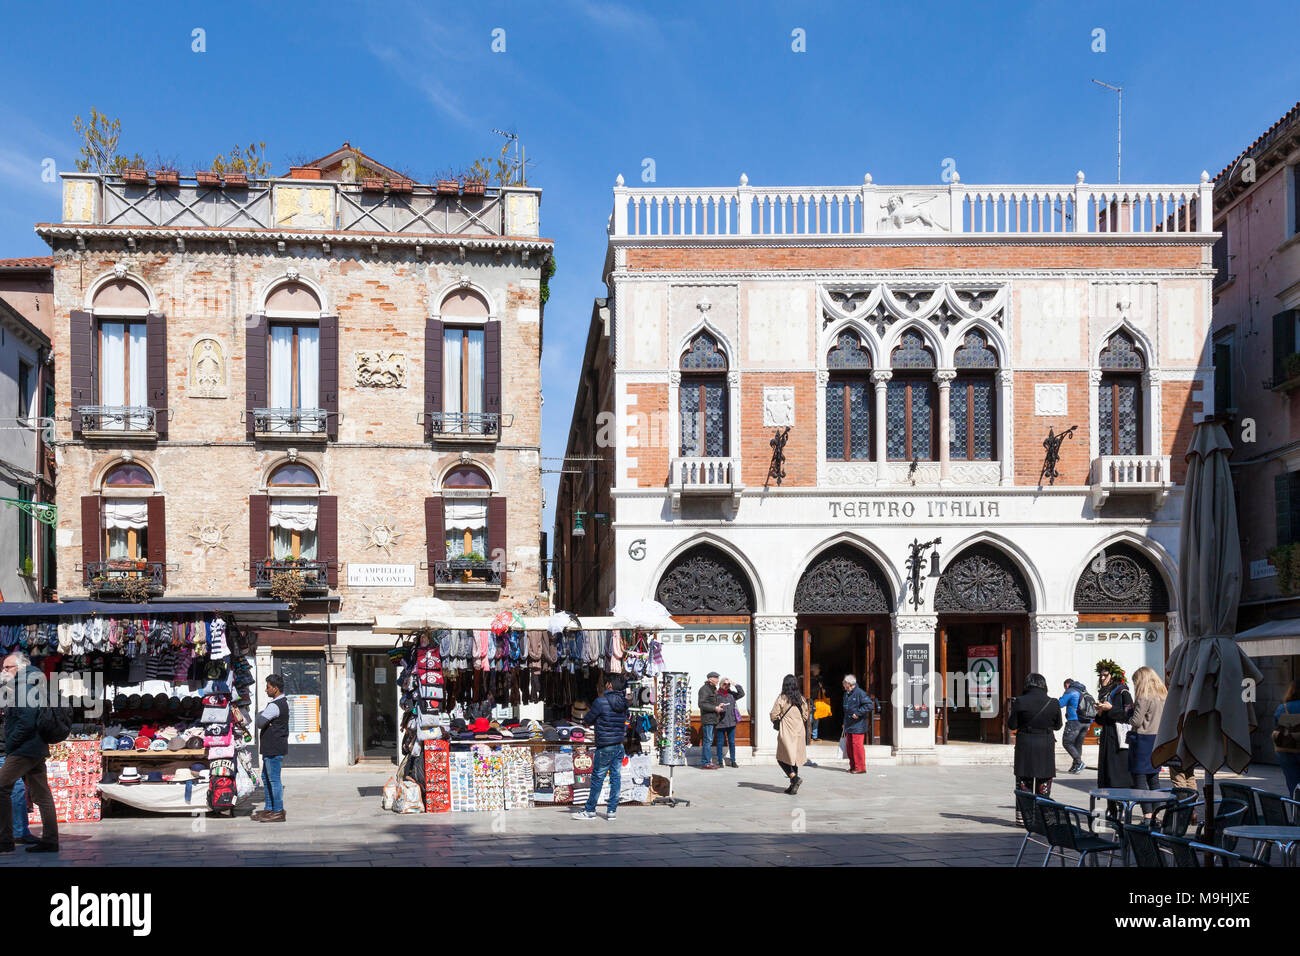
pixel 842 580
pixel 705 581
pixel 1129 583
pixel 982 579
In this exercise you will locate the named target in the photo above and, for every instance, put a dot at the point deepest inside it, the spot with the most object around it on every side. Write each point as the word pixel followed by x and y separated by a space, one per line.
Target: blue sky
pixel 707 90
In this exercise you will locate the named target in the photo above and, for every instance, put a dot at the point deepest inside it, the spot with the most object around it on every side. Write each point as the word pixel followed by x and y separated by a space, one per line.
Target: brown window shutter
pixel 327 535
pixel 156 355
pixel 432 375
pixel 259 534
pixel 157 553
pixel 497 531
pixel 255 379
pixel 329 376
pixel 92 532
pixel 435 534
pixel 81 364
pixel 492 368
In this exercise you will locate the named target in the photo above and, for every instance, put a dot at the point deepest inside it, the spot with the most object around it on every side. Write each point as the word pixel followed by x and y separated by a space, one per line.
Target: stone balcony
pixel 1077 210
pixel 1130 475
pixel 382 213
pixel 704 478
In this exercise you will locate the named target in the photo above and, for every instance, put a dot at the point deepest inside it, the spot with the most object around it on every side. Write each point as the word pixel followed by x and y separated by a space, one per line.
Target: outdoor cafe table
pixel 1285 838
pixel 1128 796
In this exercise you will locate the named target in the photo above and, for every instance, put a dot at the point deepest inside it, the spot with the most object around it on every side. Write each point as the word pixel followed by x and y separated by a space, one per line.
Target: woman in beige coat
pixel 1149 693
pixel 791 710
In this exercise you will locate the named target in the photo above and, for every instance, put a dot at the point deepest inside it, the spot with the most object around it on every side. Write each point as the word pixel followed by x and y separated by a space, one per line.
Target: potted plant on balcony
pixel 135 590
pixel 208 177
pixel 448 187
pixel 287 586
pixel 237 180
pixel 1286 559
pixel 475 187
pixel 167 177
pixel 135 174
pixel 401 185
pixel 372 184
pixel 29 567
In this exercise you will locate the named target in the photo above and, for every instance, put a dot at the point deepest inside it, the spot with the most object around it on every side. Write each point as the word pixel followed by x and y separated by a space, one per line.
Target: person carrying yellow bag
pixel 821 703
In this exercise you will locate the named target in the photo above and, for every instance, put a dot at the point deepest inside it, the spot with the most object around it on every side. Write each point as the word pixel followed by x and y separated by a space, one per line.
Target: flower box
pixel 448 187
pixel 304 172
pixel 372 184
pixel 236 179
pixel 207 177
pixel 134 174
pixel 166 177
pixel 475 187
pixel 401 185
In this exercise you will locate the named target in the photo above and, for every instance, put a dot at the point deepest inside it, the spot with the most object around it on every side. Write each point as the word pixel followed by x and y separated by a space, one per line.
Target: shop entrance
pixel 982 663
pixel 305 689
pixel 377 696
pixel 826 649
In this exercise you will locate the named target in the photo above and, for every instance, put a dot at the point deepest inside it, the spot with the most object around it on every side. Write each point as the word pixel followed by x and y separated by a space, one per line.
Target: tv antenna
pixel 1119 130
pixel 520 165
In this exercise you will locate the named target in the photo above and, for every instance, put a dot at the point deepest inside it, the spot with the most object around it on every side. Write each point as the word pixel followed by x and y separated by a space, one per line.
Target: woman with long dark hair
pixel 1114 710
pixel 1035 716
pixel 790 718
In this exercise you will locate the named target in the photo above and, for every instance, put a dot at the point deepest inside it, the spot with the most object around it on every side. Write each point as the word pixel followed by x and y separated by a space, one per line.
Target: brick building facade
pixel 808 381
pixel 326 384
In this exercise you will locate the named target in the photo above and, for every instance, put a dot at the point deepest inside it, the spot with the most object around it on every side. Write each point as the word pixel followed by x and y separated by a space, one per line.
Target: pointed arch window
pixel 849 397
pixel 703 399
pixel 910 401
pixel 972 400
pixel 1119 398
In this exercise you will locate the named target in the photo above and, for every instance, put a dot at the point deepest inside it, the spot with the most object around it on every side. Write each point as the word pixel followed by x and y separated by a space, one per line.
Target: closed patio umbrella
pixel 1208 715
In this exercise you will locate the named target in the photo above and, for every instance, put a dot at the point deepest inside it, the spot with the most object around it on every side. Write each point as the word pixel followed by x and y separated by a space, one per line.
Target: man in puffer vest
pixel 273 726
pixel 609 714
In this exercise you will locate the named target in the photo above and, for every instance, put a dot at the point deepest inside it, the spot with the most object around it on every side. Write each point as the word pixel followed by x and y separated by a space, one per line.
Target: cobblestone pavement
pixel 891 816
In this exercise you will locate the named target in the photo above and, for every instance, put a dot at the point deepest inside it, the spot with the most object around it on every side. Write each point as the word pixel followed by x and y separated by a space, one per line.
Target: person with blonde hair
pixel 1149 693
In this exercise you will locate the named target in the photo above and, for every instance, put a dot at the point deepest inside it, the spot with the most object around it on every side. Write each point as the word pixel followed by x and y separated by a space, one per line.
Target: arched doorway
pixel 1121 599
pixel 983 602
pixel 843 601
pixel 711 598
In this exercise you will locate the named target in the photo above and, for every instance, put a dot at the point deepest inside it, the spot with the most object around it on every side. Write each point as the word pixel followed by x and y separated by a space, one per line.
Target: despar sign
pixel 702 637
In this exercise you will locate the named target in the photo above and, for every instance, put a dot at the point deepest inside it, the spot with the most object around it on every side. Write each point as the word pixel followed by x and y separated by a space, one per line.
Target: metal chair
pixel 1139 841
pixel 1189 854
pixel 1065 833
pixel 1277 810
pixel 1031 818
pixel 1245 794
pixel 1227 813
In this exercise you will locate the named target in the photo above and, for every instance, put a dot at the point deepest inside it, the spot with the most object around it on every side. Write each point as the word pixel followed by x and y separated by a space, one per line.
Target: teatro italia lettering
pixel 909 510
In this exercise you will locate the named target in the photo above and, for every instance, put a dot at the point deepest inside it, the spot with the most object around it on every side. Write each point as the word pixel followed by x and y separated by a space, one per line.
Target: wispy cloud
pixel 618 16
pixel 415 70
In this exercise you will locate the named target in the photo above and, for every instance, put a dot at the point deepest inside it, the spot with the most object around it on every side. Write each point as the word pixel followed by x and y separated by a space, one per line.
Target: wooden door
pixel 940 703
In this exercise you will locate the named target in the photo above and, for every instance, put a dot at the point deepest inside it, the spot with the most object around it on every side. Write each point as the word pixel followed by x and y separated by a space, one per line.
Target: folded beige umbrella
pixel 1209 713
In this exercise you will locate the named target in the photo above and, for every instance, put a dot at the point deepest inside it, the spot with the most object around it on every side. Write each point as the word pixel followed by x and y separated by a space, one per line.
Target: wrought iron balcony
pixel 290 422
pixel 114 577
pixel 705 477
pixel 462 426
pixel 469 573
pixel 314 574
pixel 132 421
pixel 1130 475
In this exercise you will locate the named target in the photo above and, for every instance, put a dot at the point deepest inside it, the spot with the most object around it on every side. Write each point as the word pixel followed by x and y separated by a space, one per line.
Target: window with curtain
pixel 1119 398
pixel 702 399
pixel 292 513
pixel 849 399
pixel 462 380
pixel 126 520
pixel 972 400
pixel 293 362
pixel 910 401
pixel 466 523
pixel 123 372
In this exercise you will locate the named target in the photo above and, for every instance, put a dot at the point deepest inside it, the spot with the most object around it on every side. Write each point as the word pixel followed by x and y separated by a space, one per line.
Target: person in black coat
pixel 1114 706
pixel 1034 716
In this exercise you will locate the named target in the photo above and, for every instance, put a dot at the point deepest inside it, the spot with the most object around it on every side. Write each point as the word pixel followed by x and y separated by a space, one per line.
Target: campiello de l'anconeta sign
pixel 909 510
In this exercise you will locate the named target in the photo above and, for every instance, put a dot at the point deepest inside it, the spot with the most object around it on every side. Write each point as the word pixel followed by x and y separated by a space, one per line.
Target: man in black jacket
pixel 25 753
pixel 609 714
pixel 708 703
pixel 273 723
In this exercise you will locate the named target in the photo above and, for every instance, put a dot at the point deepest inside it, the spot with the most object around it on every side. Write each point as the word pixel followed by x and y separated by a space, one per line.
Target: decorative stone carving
pixel 911 212
pixel 208 375
pixel 974 472
pixel 210 535
pixel 982 579
pixel 733 379
pixel 382 535
pixel 1056 623
pixel 945 376
pixel 380 368
pixel 902 472
pixel 845 475
pixel 915 625
pixel 1050 398
pixel 119 271
pixel 881 376
pixel 704 580
pixel 1006 378
pixel 943 304
pixel 674 378
pixel 842 580
pixel 778 406
pixel 773 625
pixel 1128 583
pixel 291 274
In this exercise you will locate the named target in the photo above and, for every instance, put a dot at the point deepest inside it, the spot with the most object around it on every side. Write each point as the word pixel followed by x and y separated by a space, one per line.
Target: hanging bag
pixel 1286 734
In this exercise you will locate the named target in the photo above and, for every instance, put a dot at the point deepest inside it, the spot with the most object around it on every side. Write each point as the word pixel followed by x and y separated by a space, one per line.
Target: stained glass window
pixel 909 410
pixel 861 395
pixel 1106 419
pixel 690 405
pixel 975 352
pixel 922 414
pixel 982 418
pixel 703 355
pixel 911 352
pixel 715 419
pixel 896 418
pixel 835 421
pixel 1126 415
pixel 957 446
pixel 848 353
pixel 1121 353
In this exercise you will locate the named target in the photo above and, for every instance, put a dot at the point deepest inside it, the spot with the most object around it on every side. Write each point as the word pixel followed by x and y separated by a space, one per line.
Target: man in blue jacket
pixel 609 714
pixel 1075 729
pixel 25 753
pixel 858 706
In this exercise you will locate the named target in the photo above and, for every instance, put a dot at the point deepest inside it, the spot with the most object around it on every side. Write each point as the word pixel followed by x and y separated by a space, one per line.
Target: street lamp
pixel 915 563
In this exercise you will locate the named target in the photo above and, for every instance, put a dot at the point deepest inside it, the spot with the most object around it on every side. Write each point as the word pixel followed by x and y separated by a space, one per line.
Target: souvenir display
pixel 73 769
pixel 674 719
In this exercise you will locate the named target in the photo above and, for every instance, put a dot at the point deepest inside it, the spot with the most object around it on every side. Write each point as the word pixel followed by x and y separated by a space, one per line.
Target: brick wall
pixel 647 461
pixel 1031 429
pixel 1177 409
pixel 755 438
pixel 1089 255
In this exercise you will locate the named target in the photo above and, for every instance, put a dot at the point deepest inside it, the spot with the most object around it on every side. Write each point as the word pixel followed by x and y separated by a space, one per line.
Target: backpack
pixel 222 793
pixel 54 724
pixel 1086 708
